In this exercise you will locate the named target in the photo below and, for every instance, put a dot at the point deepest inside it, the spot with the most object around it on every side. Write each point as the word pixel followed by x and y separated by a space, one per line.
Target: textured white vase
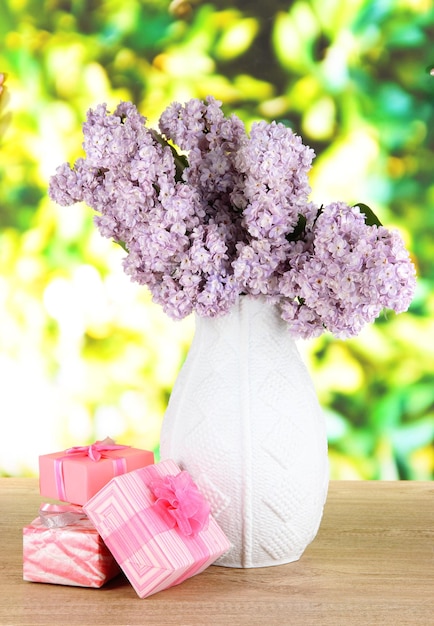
pixel 244 420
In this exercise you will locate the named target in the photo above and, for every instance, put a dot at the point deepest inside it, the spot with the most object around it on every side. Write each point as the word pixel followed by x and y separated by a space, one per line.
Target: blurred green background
pixel 83 352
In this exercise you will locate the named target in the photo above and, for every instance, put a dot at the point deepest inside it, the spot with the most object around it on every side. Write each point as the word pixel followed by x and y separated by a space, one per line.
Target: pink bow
pixel 180 503
pixel 96 451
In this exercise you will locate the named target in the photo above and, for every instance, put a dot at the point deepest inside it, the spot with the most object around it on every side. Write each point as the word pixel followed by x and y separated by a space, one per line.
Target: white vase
pixel 244 420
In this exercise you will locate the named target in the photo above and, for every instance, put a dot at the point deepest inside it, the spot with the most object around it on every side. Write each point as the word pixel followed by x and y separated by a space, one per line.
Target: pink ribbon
pixel 180 503
pixel 95 451
pixel 58 516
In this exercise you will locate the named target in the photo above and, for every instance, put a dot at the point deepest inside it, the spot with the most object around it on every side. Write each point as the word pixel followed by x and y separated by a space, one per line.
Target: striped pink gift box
pixel 153 551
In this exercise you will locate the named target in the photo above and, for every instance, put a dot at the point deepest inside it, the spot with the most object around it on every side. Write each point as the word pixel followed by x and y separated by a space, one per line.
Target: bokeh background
pixel 83 352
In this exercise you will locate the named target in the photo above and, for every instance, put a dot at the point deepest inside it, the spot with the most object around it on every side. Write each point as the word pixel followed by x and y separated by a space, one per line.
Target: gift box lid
pixel 157 525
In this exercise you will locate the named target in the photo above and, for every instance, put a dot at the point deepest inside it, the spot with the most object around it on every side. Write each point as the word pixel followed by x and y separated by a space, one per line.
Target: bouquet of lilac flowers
pixel 207 212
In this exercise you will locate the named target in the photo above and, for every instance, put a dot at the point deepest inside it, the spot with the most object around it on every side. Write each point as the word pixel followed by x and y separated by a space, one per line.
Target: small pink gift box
pixel 76 474
pixel 63 547
pixel 158 526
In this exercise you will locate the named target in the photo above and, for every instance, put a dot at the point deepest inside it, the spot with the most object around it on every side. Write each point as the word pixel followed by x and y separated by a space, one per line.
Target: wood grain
pixel 371 563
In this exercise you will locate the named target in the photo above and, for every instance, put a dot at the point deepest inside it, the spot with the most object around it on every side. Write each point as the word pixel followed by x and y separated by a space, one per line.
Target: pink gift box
pixel 72 554
pixel 148 535
pixel 76 474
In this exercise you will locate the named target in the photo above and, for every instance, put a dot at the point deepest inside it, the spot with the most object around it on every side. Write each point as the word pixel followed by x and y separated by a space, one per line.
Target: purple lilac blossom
pixel 208 212
pixel 351 272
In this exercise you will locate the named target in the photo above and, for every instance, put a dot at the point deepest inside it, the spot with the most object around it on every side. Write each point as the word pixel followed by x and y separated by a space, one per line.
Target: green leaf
pixel 122 244
pixel 181 161
pixel 371 218
pixel 298 230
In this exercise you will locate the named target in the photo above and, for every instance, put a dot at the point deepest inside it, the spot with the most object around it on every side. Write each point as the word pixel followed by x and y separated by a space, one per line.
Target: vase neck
pixel 249 315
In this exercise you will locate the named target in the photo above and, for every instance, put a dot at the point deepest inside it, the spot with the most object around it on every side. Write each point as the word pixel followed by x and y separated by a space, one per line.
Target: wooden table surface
pixel 372 562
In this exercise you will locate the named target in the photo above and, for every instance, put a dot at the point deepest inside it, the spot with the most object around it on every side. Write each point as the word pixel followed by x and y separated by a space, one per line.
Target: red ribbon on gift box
pixel 95 451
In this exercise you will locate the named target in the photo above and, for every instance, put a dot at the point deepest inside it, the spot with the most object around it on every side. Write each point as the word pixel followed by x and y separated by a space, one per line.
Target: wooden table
pixel 371 563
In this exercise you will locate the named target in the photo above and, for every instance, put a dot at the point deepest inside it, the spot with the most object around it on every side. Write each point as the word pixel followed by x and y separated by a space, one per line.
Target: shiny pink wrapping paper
pixel 71 555
pixel 152 555
pixel 77 478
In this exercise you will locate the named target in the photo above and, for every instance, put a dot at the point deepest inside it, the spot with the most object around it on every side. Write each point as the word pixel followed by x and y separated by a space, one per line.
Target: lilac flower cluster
pixel 208 212
pixel 346 275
